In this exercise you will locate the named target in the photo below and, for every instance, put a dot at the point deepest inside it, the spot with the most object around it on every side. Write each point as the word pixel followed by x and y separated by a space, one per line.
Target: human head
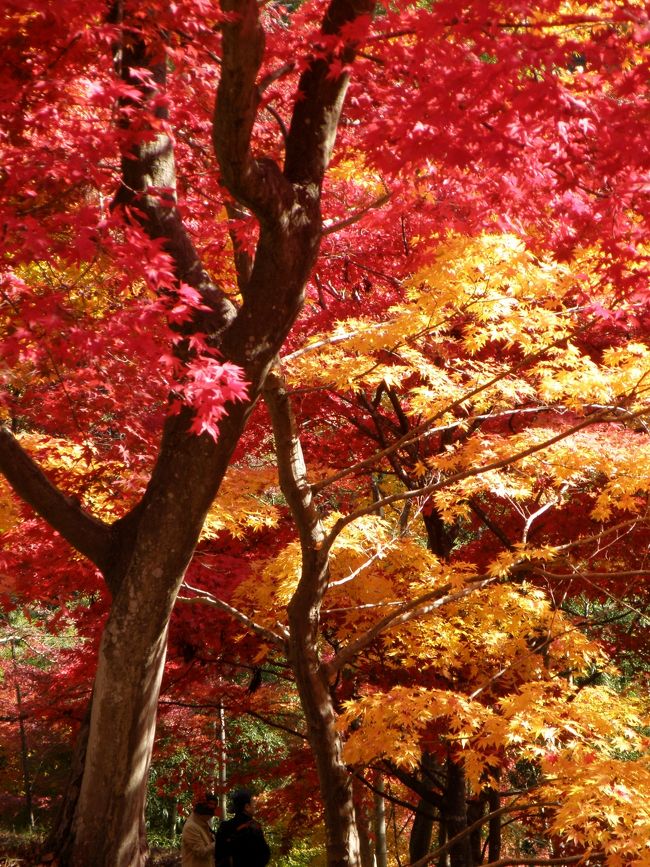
pixel 205 808
pixel 242 801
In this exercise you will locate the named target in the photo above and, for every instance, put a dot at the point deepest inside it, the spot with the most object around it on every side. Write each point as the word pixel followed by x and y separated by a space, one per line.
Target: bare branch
pixel 509 808
pixel 427 490
pixel 586 578
pixel 530 520
pixel 330 341
pixel 203 596
pixel 358 215
pixel 520 862
pixel 597 537
pixel 425 426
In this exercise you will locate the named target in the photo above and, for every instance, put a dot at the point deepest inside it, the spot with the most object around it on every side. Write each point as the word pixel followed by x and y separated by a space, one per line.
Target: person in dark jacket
pixel 239 841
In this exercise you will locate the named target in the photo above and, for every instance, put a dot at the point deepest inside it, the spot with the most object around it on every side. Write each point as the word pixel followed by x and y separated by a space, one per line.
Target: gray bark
pixel 304 615
pixel 381 850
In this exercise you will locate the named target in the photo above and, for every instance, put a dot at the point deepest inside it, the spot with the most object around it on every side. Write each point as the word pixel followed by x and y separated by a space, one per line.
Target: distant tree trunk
pixel 222 761
pixel 172 819
pixel 422 830
pixel 475 810
pixel 24 753
pixel 381 852
pixel 443 860
pixel 494 827
pixel 456 814
pixel 425 817
pixel 364 826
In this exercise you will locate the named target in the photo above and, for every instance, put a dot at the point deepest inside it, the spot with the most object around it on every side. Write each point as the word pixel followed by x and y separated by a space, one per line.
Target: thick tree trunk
pixel 107 824
pixel 111 800
pixel 60 837
pixel 144 556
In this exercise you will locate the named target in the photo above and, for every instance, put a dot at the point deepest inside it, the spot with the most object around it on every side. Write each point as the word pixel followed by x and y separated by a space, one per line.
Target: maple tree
pixel 123 323
pixel 143 555
pixel 558 462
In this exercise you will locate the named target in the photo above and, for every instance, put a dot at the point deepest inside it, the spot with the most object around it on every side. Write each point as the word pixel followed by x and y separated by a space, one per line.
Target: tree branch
pixel 358 215
pixel 418 607
pixel 509 808
pixel 321 94
pixel 255 183
pixel 148 188
pixel 86 533
pixel 425 426
pixel 520 862
pixel 427 490
pixel 207 598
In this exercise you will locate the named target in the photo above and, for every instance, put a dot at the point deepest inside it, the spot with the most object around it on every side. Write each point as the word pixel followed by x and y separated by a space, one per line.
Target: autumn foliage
pixel 425 369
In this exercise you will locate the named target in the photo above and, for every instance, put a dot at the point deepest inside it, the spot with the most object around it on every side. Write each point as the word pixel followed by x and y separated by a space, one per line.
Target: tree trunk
pixel 422 831
pixel 381 853
pixel 425 817
pixel 109 821
pixel 24 753
pixel 304 615
pixel 333 776
pixel 107 826
pixel 456 814
pixel 494 827
pixel 143 557
pixel 60 837
pixel 221 776
pixel 475 810
pixel 364 824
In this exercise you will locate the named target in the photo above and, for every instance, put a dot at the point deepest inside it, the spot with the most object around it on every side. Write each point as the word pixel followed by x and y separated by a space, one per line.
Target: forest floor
pixel 22 850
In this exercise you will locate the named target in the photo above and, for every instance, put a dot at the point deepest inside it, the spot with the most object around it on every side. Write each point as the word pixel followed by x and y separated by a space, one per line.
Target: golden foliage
pixel 247 502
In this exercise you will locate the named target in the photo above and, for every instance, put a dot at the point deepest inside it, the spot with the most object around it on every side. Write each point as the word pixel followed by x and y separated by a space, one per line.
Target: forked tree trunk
pixel 106 824
pixel 143 557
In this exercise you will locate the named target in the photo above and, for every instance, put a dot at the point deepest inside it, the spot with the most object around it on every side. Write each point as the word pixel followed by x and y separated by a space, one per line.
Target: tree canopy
pixel 324 404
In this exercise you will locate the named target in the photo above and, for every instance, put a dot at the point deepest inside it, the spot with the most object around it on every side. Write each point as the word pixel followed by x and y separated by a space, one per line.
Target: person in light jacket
pixel 197 839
